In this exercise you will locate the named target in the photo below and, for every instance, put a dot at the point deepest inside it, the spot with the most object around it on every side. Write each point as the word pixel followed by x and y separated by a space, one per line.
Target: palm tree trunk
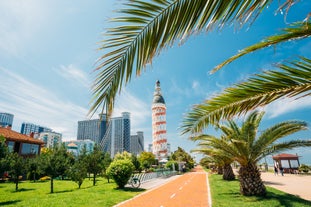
pixel 250 181
pixel 220 170
pixel 228 172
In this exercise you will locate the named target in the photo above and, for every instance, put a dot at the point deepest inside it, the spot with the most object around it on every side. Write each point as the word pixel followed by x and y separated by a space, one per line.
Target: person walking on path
pixel 190 189
pixel 282 171
pixel 275 170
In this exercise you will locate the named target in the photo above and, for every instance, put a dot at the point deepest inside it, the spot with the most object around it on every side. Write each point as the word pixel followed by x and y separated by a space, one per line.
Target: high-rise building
pixel 93 129
pixel 117 137
pixel 28 128
pixel 6 119
pixel 137 143
pixel 51 139
pixel 159 139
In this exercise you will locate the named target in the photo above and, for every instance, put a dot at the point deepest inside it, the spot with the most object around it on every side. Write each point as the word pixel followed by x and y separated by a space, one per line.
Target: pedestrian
pixel 275 170
pixel 281 171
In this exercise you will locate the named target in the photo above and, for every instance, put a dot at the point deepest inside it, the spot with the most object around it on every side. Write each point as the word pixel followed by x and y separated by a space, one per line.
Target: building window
pixel 29 149
pixel 11 146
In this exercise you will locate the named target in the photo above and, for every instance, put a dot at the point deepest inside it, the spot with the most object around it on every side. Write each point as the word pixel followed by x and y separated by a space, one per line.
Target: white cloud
pixel 19 20
pixel 287 105
pixel 74 74
pixel 140 111
pixel 32 103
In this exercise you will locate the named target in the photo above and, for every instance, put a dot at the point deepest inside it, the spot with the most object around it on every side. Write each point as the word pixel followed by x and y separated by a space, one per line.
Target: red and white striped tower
pixel 159 141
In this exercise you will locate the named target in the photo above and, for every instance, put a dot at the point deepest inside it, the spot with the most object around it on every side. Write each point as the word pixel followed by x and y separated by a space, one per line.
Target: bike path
pixel 190 189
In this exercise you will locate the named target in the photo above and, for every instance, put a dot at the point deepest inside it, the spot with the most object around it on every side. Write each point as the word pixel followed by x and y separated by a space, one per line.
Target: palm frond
pixel 277 148
pixel 292 80
pixel 274 133
pixel 144 28
pixel 298 30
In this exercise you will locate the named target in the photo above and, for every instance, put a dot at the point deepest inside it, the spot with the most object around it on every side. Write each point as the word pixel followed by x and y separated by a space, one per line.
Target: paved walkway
pixel 299 185
pixel 190 189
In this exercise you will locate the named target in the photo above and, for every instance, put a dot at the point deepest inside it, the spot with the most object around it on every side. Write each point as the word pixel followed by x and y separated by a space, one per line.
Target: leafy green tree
pixel 147 159
pixel 17 167
pixel 180 155
pixel 172 165
pixel 94 162
pixel 247 147
pixel 4 151
pixel 136 163
pixel 33 168
pixel 123 156
pixel 55 163
pixel 78 172
pixel 121 170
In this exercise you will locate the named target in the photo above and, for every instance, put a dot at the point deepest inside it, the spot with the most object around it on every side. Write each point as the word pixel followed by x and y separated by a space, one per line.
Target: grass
pixel 227 193
pixel 66 193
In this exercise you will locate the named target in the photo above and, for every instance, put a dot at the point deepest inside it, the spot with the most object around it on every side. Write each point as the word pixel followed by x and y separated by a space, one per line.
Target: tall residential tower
pixel 159 140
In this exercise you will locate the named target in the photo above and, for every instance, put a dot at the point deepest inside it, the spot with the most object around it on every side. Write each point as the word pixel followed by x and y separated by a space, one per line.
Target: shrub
pixel 304 168
pixel 170 165
pixel 120 171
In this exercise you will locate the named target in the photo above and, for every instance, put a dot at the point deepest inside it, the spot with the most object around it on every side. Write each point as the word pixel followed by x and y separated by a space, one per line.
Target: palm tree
pixel 291 80
pixel 247 147
pixel 145 27
pixel 216 155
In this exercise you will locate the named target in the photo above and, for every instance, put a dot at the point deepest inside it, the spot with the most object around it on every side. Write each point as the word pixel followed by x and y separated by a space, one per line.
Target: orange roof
pixel 11 135
pixel 285 156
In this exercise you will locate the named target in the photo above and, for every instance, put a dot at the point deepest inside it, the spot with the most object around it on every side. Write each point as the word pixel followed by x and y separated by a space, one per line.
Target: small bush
pixel 120 171
pixel 304 168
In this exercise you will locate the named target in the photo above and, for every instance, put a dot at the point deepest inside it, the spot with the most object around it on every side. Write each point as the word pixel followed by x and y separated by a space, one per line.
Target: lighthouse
pixel 159 139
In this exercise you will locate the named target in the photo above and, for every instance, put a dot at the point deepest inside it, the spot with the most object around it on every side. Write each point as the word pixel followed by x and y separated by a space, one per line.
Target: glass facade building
pixel 6 119
pixel 28 128
pixel 94 129
pixel 118 135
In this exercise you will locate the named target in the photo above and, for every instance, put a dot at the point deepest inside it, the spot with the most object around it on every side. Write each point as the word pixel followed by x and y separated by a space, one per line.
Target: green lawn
pixel 226 193
pixel 66 193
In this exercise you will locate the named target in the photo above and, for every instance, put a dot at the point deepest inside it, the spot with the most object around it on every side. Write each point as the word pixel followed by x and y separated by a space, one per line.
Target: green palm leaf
pixel 298 30
pixel 292 80
pixel 144 28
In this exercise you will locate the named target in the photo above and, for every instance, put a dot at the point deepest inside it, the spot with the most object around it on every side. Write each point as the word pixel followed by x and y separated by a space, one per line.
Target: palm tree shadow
pixel 65 191
pixel 5 203
pixel 287 200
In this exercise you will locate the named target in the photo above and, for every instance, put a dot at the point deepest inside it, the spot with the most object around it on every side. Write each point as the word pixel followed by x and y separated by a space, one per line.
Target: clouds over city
pixel 33 103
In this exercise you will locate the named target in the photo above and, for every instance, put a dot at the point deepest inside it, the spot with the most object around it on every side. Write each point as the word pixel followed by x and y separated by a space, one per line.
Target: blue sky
pixel 48 51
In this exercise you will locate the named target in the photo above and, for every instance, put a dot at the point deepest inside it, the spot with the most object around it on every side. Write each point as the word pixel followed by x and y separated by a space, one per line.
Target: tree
pixel 78 172
pixel 4 151
pixel 180 155
pixel 217 156
pixel 55 163
pixel 136 163
pixel 147 159
pixel 247 147
pixel 17 167
pixel 33 168
pixel 144 28
pixel 94 162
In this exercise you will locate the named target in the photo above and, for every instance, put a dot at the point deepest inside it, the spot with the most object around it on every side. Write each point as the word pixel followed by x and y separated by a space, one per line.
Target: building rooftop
pixel 11 135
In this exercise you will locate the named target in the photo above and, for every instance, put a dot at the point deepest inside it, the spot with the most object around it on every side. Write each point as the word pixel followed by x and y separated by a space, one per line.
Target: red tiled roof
pixel 285 156
pixel 11 135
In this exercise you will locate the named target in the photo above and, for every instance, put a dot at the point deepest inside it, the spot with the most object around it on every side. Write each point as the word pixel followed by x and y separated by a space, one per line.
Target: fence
pixel 144 177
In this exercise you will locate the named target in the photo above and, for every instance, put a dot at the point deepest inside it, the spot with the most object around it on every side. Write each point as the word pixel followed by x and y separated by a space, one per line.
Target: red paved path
pixel 189 190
